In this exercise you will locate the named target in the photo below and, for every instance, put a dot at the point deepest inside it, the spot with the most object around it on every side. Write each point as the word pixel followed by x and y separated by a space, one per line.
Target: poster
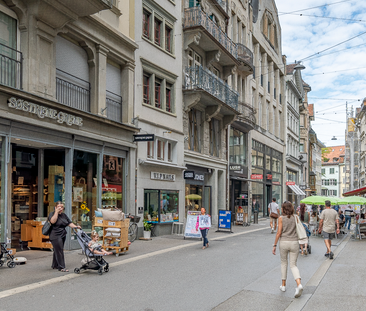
pixel 190 229
pixel 204 221
pixel 78 194
pixel 224 219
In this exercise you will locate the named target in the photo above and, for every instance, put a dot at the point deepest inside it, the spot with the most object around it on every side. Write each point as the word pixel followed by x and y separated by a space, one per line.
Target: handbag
pixel 46 229
pixel 273 215
pixel 300 230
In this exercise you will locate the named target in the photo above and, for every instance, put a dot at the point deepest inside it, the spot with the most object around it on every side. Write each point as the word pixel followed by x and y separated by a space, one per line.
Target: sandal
pixel 203 247
pixel 63 270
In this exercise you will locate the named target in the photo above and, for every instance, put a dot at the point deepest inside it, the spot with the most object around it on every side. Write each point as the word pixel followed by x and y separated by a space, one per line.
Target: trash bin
pixel 255 215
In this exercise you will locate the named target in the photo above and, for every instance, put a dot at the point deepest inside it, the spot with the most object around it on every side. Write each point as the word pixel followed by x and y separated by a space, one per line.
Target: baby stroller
pixel 92 261
pixel 308 234
pixel 5 255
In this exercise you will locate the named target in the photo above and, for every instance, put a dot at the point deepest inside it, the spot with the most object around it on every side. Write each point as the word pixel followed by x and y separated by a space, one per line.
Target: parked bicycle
pixel 133 228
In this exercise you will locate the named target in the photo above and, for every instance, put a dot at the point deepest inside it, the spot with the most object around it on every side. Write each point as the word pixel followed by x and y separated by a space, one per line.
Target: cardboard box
pixel 98 221
pixel 12 251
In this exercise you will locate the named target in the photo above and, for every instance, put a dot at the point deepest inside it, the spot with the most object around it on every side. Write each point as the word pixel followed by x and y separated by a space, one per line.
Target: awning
pixel 355 192
pixel 296 189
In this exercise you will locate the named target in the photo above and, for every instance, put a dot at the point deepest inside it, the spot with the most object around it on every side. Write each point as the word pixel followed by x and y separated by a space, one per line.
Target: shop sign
pixel 269 176
pixel 290 183
pixel 44 112
pixel 189 175
pixel 236 169
pixel 162 176
pixel 302 187
pixel 256 176
pixel 143 137
pixel 276 183
pixel 200 177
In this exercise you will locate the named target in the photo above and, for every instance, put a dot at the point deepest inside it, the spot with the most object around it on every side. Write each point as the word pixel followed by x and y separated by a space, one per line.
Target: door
pixel 268 197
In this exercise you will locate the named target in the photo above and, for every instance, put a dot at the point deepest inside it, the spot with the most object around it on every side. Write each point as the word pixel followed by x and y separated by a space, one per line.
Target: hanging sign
pixel 269 176
pixel 290 183
pixel 256 176
pixel 189 175
pixel 143 137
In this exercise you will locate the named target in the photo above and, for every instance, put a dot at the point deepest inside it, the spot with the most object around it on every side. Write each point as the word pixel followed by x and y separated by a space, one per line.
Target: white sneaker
pixel 298 291
pixel 282 288
pixel 272 230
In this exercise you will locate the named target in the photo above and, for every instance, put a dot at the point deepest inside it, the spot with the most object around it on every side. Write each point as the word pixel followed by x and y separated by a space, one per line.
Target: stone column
pixel 128 99
pixel 101 80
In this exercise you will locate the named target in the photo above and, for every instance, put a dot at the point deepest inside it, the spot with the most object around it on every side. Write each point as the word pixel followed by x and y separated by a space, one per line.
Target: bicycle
pixel 133 228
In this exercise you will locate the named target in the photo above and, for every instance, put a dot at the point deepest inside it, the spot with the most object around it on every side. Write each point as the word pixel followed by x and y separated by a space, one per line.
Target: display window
pixel 112 175
pixel 2 190
pixel 84 189
pixel 257 198
pixel 193 198
pixel 161 206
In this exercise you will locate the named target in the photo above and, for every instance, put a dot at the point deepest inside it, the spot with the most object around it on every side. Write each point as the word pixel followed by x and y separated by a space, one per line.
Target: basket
pixel 134 219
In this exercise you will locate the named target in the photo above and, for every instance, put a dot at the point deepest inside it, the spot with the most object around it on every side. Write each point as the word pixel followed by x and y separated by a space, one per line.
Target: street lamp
pixel 334 138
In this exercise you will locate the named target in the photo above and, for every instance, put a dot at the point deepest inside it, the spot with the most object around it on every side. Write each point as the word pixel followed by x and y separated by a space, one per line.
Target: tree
pixel 325 152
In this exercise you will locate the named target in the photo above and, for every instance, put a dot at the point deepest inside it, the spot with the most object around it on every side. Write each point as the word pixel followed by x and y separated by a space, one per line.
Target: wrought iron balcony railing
pixel 11 67
pixel 245 55
pixel 247 113
pixel 195 17
pixel 72 91
pixel 114 107
pixel 199 78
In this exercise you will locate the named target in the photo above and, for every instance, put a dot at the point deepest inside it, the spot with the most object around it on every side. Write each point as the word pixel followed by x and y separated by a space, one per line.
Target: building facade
pixel 66 102
pixel 332 159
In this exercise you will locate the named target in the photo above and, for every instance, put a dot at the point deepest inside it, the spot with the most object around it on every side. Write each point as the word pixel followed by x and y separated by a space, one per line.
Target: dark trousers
pixel 58 261
pixel 204 233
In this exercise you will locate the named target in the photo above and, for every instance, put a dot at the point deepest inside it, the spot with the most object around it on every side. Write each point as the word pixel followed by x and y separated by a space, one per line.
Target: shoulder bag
pixel 46 229
pixel 300 230
pixel 273 215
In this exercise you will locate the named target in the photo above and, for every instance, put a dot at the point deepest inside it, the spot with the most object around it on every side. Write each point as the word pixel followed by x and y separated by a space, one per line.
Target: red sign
pixel 269 176
pixel 290 183
pixel 276 183
pixel 256 176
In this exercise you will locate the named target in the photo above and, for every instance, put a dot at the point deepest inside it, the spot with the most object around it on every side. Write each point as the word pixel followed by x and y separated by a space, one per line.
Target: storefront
pixel 294 193
pixel 266 177
pixel 52 153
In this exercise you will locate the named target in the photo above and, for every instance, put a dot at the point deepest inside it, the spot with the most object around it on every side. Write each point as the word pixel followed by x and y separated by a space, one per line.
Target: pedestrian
pixel 289 246
pixel 204 230
pixel 328 219
pixel 59 221
pixel 305 218
pixel 274 212
pixel 314 222
pixel 347 215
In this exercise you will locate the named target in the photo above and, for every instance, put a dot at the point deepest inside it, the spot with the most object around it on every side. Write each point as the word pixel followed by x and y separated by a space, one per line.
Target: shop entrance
pixel 36 184
pixel 269 199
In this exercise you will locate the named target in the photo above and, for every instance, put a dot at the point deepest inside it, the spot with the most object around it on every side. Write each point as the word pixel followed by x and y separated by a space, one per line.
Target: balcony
pixel 245 56
pixel 199 79
pixel 72 91
pixel 247 115
pixel 114 107
pixel 11 67
pixel 200 29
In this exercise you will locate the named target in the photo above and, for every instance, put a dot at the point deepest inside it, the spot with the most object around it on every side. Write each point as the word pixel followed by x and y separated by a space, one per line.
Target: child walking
pixel 204 231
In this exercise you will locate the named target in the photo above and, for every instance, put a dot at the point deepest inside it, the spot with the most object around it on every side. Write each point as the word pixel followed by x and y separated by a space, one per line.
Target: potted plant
pixel 147 230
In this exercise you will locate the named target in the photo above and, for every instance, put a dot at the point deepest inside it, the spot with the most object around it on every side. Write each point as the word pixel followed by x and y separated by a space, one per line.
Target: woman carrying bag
pixel 289 245
pixel 59 221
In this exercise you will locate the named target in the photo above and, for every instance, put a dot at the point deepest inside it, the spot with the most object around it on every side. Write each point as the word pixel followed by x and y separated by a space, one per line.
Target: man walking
pixel 273 212
pixel 348 213
pixel 328 219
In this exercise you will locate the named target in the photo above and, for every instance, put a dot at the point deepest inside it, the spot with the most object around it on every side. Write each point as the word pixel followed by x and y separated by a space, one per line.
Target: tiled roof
pixel 290 69
pixel 336 155
pixel 311 110
pixel 305 84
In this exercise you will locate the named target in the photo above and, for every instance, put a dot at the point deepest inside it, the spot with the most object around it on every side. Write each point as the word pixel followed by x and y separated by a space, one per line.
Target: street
pixel 237 272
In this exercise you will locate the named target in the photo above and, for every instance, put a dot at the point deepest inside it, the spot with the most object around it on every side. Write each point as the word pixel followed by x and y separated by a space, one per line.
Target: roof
pixel 336 155
pixel 305 84
pixel 311 110
pixel 290 69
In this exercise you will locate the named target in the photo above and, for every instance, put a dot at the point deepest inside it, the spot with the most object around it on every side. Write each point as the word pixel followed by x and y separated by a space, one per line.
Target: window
pixel 301 147
pixel 169 152
pixel 214 137
pixel 146 89
pixel 326 182
pixel 146 24
pixel 157 31
pixel 194 137
pixel 332 192
pixel 323 171
pixel 193 3
pixel 331 171
pixel 150 149
pixel 160 150
pixel 168 39
pixel 157 93
pixel 168 95
pixel 161 205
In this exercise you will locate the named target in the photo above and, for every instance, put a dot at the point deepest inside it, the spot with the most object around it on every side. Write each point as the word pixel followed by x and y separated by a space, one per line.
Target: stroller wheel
pixel 100 271
pixel 77 270
pixel 1 263
pixel 106 269
pixel 11 264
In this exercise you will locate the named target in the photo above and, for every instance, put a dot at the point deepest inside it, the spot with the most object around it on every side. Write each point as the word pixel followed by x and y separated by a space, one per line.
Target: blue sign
pixel 224 219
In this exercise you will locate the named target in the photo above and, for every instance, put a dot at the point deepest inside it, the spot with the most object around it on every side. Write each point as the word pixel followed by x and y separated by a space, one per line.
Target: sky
pixel 333 84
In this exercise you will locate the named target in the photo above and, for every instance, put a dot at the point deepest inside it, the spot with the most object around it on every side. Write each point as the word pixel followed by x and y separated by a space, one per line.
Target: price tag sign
pixel 99 221
pixel 10 252
pixel 111 223
pixel 43 222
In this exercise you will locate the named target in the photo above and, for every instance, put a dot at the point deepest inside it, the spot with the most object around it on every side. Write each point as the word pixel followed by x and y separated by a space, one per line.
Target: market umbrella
pixel 319 200
pixel 352 200
pixel 193 197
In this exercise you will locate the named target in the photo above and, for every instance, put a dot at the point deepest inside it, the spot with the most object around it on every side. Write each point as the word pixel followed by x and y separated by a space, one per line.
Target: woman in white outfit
pixel 289 246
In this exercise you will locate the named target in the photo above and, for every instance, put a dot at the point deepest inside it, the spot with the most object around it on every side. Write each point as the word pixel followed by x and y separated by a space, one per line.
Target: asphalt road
pixel 237 272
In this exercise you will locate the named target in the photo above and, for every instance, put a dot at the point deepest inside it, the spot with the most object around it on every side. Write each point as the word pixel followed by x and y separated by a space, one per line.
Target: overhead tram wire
pixel 349 48
pixel 330 98
pixel 331 120
pixel 330 17
pixel 315 7
pixel 324 73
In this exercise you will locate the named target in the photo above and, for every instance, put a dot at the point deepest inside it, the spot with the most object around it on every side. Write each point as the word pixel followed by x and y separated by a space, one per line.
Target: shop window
pixel 84 188
pixel 161 206
pixel 193 198
pixel 215 137
pixel 257 198
pixel 168 38
pixel 112 182
pixel 194 137
pixel 146 24
pixel 157 31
